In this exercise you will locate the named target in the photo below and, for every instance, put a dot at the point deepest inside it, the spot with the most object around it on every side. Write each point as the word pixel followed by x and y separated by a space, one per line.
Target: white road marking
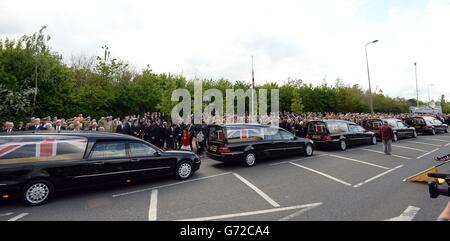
pixel 306 158
pixel 410 148
pixel 428 153
pixel 168 185
pixel 321 173
pixel 407 215
pixel 18 217
pixel 153 209
pixel 423 143
pixel 363 162
pixel 434 139
pixel 296 214
pixel 5 214
pixel 380 152
pixel 448 144
pixel 377 176
pixel 257 190
pixel 234 215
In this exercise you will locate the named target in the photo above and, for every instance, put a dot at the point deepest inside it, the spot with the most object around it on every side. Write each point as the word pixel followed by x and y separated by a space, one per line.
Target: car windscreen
pixel 38 148
pixel 337 127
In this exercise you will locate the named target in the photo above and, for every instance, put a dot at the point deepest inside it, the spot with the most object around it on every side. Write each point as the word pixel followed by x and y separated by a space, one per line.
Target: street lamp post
pixel 368 76
pixel 429 97
pixel 417 86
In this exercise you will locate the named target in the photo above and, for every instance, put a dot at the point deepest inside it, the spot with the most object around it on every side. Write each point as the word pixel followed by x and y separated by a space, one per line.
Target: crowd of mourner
pixel 158 130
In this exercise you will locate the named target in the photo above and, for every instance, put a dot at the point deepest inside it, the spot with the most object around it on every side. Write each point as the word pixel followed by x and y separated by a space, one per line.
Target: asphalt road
pixel 358 184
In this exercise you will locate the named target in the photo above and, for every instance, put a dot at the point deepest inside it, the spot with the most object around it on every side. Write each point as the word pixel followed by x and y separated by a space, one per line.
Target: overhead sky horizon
pixel 298 39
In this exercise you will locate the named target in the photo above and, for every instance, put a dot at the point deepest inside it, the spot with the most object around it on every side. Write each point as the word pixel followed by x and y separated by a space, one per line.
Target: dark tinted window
pixel 216 134
pixel 36 148
pixel 353 128
pixel 141 150
pixel 272 134
pixel 109 150
pixel 317 127
pixel 286 135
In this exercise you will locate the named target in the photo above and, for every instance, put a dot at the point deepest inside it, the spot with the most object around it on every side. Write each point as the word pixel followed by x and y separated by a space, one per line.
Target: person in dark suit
pixel 36 125
pixel 124 127
pixel 179 136
pixel 21 127
pixel 171 137
pixel 136 128
pixel 191 130
pixel 58 126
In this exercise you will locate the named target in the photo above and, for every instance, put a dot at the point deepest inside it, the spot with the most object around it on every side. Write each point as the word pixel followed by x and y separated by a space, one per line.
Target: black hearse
pixel 427 125
pixel 33 166
pixel 338 134
pixel 401 129
pixel 247 143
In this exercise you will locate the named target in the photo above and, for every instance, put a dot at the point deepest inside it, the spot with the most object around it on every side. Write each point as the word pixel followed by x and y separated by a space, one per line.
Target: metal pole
pixel 253 89
pixel 368 77
pixel 417 86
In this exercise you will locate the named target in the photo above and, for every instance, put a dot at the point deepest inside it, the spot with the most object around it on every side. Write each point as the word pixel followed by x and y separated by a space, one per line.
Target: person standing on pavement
pixel 386 136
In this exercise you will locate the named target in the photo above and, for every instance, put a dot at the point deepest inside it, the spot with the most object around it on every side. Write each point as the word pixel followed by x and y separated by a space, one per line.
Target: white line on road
pixel 5 214
pixel 377 176
pixel 18 217
pixel 423 143
pixel 257 190
pixel 428 153
pixel 321 173
pixel 407 215
pixel 153 208
pixel 296 214
pixel 363 162
pixel 380 152
pixel 410 148
pixel 234 215
pixel 306 158
pixel 168 185
pixel 448 144
pixel 434 139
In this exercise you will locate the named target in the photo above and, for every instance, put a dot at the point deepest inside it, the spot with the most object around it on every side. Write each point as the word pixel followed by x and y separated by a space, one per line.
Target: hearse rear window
pixel 39 148
pixel 317 127
pixel 216 134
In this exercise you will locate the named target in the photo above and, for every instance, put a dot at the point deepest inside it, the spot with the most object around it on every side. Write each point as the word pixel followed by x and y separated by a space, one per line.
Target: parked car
pixel 401 129
pixel 34 166
pixel 338 134
pixel 249 143
pixel 427 125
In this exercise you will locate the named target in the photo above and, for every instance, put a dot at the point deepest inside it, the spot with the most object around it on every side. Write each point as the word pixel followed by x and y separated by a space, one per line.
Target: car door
pixel 292 146
pixel 353 137
pixel 402 130
pixel 149 161
pixel 274 145
pixel 108 162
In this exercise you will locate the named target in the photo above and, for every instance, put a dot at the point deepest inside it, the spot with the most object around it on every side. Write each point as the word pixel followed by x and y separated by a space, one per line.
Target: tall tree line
pixel 35 81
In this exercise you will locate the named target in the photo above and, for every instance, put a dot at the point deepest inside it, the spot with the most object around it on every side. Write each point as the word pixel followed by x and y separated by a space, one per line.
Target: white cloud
pixel 215 39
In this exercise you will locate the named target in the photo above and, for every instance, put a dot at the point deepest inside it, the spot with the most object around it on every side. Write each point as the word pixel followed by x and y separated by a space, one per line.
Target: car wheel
pixel 250 159
pixel 309 150
pixel 446 130
pixel 36 192
pixel 342 145
pixel 395 138
pixel 183 170
pixel 414 135
pixel 374 140
pixel 433 132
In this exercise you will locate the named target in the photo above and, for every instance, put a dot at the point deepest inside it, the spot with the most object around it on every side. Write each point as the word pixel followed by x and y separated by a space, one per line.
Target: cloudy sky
pixel 311 40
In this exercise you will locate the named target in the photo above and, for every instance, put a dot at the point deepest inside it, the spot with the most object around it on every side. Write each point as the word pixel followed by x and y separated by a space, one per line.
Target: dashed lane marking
pixel 323 174
pixel 380 152
pixel 257 190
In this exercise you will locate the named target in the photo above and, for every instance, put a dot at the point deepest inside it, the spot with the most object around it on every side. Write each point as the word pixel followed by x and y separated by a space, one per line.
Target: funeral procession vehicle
pixel 338 134
pixel 427 125
pixel 248 143
pixel 400 128
pixel 33 166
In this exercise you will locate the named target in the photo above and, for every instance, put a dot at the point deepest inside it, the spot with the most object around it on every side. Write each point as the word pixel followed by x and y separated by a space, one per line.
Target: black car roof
pixel 335 120
pixel 243 125
pixel 87 134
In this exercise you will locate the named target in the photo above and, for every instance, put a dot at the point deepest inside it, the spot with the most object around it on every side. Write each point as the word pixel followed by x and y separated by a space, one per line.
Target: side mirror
pixel 157 153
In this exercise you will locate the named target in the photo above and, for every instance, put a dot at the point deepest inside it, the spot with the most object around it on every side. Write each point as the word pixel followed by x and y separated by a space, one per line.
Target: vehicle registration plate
pixel 316 136
pixel 213 148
